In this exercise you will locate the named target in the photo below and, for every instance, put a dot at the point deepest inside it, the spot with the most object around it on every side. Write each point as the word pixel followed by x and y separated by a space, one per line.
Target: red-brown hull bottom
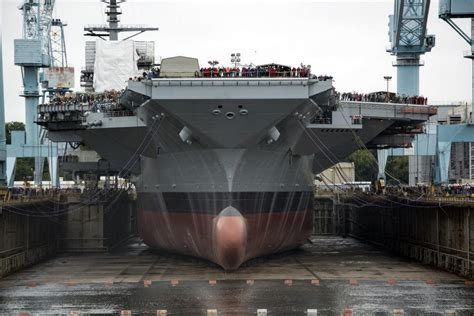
pixel 228 240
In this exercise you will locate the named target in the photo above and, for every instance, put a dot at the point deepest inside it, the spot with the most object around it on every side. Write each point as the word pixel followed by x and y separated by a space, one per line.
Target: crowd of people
pixel 28 192
pixel 459 189
pixel 421 190
pixel 151 74
pixel 258 71
pixel 96 102
pixel 382 97
pixel 246 72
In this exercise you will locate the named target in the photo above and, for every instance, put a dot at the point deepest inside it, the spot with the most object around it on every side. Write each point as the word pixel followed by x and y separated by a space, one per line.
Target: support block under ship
pixel 225 167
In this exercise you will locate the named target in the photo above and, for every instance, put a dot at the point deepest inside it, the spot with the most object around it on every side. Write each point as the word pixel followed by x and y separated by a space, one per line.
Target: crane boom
pixel 37 18
pixel 46 18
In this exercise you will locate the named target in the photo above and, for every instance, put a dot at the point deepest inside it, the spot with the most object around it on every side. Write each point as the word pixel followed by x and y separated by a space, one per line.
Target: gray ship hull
pixel 225 184
pixel 226 206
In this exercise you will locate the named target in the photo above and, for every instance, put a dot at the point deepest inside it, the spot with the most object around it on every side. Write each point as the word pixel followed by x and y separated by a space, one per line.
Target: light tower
pixel 235 59
pixel 388 79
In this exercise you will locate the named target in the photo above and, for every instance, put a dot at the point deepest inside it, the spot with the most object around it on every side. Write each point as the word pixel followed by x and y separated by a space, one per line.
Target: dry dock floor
pixel 330 274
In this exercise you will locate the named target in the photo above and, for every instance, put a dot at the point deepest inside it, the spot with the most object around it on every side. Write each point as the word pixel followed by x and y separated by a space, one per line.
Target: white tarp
pixel 115 63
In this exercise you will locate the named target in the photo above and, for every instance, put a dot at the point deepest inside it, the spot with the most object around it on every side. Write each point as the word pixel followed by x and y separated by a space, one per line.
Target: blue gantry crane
pixel 32 52
pixel 409 41
pixel 447 134
pixel 408 78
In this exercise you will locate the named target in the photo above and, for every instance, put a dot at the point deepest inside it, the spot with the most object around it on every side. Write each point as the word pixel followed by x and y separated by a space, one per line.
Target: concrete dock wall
pixel 31 231
pixel 327 219
pixel 435 232
pixel 98 226
pixel 439 235
pixel 84 228
pixel 26 239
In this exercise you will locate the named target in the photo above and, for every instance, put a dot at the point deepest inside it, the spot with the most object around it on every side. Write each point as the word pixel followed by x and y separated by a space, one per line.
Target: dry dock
pixel 394 260
pixel 330 274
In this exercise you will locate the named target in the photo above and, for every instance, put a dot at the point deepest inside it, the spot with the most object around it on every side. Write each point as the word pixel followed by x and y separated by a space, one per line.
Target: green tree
pixel 397 167
pixel 24 166
pixel 13 126
pixel 365 166
pixel 24 169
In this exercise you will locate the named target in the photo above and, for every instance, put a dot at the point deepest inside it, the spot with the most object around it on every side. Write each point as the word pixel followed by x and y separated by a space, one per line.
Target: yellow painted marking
pixel 212 312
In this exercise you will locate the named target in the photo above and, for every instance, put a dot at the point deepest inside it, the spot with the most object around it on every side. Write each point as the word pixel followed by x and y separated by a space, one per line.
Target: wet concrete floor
pixel 329 275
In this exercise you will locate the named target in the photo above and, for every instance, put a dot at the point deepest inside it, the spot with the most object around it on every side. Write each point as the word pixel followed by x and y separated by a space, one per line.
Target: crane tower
pixel 32 52
pixel 409 40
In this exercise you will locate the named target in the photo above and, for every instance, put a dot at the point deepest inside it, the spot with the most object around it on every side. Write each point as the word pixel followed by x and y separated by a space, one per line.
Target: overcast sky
pixel 345 39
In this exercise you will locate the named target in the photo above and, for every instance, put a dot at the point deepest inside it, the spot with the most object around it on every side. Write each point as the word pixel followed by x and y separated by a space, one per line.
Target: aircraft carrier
pixel 220 170
pixel 224 167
